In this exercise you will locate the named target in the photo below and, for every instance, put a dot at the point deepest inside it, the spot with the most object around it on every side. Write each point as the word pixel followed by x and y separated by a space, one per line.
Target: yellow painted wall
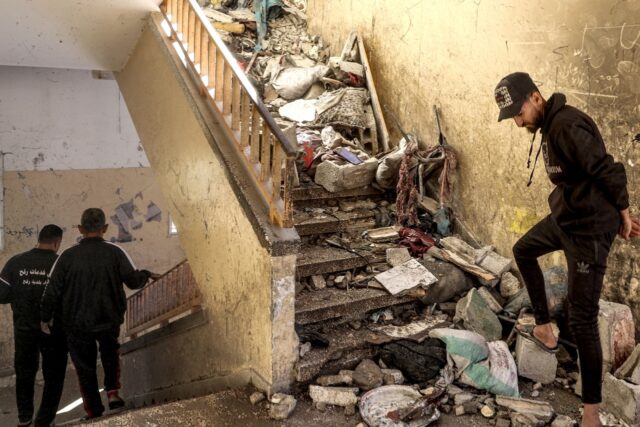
pixel 34 199
pixel 231 264
pixel 453 53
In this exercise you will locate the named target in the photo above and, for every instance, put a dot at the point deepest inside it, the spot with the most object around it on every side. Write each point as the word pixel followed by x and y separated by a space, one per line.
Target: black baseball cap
pixel 511 93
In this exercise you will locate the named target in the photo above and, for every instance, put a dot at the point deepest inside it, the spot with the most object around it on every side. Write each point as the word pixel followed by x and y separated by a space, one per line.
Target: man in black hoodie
pixel 86 283
pixel 22 282
pixel 589 206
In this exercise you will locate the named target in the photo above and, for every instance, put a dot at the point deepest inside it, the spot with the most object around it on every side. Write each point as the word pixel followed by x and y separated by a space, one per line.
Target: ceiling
pixel 76 34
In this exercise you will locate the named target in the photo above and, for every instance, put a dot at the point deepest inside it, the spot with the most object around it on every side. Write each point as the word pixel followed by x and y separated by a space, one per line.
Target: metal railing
pixel 174 293
pixel 260 142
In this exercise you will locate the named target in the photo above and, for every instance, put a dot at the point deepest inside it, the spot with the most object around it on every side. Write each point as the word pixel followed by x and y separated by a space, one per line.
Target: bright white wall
pixel 64 119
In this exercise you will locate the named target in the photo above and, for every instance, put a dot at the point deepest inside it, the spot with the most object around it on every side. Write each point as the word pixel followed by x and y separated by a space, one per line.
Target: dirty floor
pixel 232 408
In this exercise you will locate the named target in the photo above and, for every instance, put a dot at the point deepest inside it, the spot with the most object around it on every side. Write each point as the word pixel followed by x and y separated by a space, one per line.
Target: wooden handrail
pixel 173 293
pixel 261 144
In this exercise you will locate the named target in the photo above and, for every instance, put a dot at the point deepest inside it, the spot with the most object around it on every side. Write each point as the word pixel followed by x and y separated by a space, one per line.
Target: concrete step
pixel 333 222
pixel 315 195
pixel 346 349
pixel 321 260
pixel 332 303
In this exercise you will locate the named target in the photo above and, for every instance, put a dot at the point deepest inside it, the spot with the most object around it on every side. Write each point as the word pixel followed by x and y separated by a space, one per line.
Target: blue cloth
pixel 265 10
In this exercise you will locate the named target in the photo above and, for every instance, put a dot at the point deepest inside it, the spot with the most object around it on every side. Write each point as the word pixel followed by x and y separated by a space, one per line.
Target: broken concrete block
pixel 563 421
pixel 383 234
pixel 329 380
pixel 397 256
pixel 368 375
pixel 256 397
pixel 630 369
pixel 621 398
pixel 339 396
pixel 525 420
pixel 337 176
pixel 478 317
pixel 352 67
pixel 460 248
pixel 463 397
pixel 509 285
pixel 534 363
pixel 617 334
pixel 318 282
pixel 393 376
pixel 540 410
pixel 496 264
pixel 451 282
pixel 491 301
pixel 517 302
pixel 282 405
pixel 405 277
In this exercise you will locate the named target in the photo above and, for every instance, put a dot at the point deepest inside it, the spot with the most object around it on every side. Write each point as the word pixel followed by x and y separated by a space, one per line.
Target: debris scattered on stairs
pixel 386 277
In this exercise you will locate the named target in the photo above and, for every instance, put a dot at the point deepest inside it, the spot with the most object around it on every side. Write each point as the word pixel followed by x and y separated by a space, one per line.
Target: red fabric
pixel 416 240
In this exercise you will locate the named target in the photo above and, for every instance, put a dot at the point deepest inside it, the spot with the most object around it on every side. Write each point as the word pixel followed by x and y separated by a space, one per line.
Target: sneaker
pixel 115 401
pixel 24 423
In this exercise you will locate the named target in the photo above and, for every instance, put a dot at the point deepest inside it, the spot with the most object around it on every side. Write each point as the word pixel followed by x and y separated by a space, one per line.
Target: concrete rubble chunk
pixel 617 334
pixel 351 205
pixel 540 410
pixel 417 330
pixel 495 263
pixel 317 282
pixel 630 369
pixel 534 363
pixel 451 282
pixel 329 380
pixel 622 399
pixel 383 234
pixel 256 397
pixel 282 405
pixel 392 376
pixel 563 421
pixel 525 420
pixel 338 396
pixel 509 285
pixel 478 317
pixel 337 176
pixel 352 67
pixel 397 256
pixel 460 248
pixel 503 422
pixel 491 301
pixel 406 277
pixel 464 397
pixel 368 375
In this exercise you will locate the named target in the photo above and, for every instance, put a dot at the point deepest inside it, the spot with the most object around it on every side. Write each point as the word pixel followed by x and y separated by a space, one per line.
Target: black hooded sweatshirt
pixel 22 282
pixel 86 283
pixel 591 189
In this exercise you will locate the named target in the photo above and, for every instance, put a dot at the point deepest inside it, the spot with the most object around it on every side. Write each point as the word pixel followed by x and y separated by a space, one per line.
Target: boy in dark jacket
pixel 22 282
pixel 589 206
pixel 86 283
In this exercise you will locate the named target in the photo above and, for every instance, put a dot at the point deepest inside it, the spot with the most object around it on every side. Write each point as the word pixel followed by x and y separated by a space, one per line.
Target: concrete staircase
pixel 337 313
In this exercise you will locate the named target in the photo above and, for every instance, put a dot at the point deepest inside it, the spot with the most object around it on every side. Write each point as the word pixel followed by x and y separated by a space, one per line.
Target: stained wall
pixel 453 53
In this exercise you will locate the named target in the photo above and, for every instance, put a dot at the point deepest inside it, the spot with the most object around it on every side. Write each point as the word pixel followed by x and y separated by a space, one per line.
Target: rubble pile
pixel 399 318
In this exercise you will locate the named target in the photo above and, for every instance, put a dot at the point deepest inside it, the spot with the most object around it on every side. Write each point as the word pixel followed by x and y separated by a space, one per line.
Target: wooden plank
pixel 219 74
pixel 235 104
pixel 211 80
pixel 227 89
pixel 289 170
pixel 255 136
pixel 179 16
pixel 245 121
pixel 196 44
pixel 276 171
pixel 383 133
pixel 265 153
pixel 191 30
pixel 204 54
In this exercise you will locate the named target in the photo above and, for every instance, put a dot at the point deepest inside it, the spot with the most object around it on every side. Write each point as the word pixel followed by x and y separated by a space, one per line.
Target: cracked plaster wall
pixel 70 144
pixel 235 272
pixel 453 53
